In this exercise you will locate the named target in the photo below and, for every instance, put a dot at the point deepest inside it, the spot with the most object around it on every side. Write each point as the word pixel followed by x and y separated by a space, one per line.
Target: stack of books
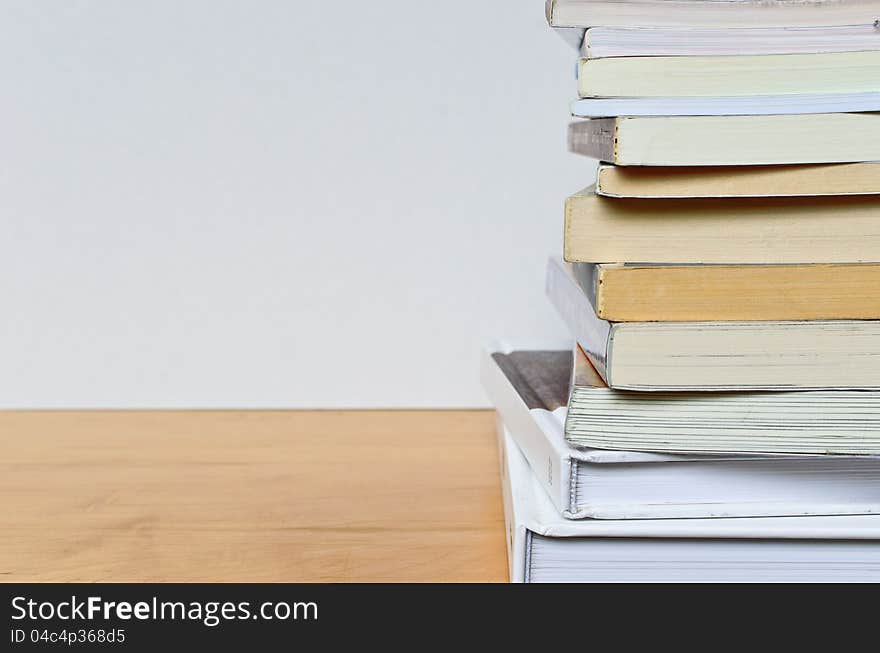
pixel 718 418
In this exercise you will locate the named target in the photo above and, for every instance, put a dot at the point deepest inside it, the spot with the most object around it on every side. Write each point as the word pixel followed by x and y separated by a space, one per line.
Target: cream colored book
pixel 729 140
pixel 647 182
pixel 718 356
pixel 765 230
pixel 729 76
pixel 641 292
pixel 703 13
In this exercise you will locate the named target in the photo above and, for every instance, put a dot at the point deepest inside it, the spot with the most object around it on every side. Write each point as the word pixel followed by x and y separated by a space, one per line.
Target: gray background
pixel 275 204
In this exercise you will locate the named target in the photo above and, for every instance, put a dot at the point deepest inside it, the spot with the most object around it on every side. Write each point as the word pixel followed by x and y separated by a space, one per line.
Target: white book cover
pixel 545 547
pixel 678 42
pixel 750 105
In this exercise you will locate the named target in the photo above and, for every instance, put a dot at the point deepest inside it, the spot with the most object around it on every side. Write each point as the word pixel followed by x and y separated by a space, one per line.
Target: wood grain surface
pixel 250 496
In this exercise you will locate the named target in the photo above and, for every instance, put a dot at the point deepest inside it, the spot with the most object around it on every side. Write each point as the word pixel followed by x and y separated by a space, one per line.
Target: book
pixel 721 356
pixel 641 292
pixel 725 106
pixel 646 182
pixel 699 13
pixel 543 546
pixel 675 41
pixel 743 75
pixel 749 230
pixel 530 390
pixel 812 422
pixel 729 140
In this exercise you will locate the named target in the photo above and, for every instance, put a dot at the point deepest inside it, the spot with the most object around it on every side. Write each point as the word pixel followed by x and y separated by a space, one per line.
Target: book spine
pixel 594 138
pixel 532 430
pixel 602 174
pixel 516 533
pixel 546 451
pixel 591 332
pixel 586 48
pixel 589 277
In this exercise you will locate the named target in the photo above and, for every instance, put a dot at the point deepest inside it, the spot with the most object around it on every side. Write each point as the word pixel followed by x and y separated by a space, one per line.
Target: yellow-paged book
pixel 693 293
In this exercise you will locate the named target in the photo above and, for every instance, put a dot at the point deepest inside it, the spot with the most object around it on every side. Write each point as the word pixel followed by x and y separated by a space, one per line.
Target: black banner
pixel 149 616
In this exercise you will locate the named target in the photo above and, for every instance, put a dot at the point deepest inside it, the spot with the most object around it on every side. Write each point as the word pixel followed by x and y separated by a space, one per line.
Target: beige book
pixel 738 181
pixel 695 293
pixel 728 76
pixel 751 230
pixel 729 140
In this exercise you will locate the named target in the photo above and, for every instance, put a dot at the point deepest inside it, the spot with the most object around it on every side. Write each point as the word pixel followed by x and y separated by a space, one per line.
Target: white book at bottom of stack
pixel 545 547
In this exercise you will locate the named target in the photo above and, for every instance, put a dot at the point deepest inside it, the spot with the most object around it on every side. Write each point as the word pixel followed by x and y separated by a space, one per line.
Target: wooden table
pixel 250 496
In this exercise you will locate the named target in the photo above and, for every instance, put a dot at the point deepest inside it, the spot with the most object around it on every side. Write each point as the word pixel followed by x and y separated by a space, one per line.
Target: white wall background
pixel 215 203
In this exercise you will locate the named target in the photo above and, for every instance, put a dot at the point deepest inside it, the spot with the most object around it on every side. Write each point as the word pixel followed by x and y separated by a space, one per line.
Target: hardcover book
pixel 544 547
pixel 530 391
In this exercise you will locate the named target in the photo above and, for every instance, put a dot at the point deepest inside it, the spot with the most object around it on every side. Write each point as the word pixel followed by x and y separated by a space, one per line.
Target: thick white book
pixel 710 13
pixel 680 42
pixel 755 105
pixel 544 547
pixel 530 390
pixel 722 356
